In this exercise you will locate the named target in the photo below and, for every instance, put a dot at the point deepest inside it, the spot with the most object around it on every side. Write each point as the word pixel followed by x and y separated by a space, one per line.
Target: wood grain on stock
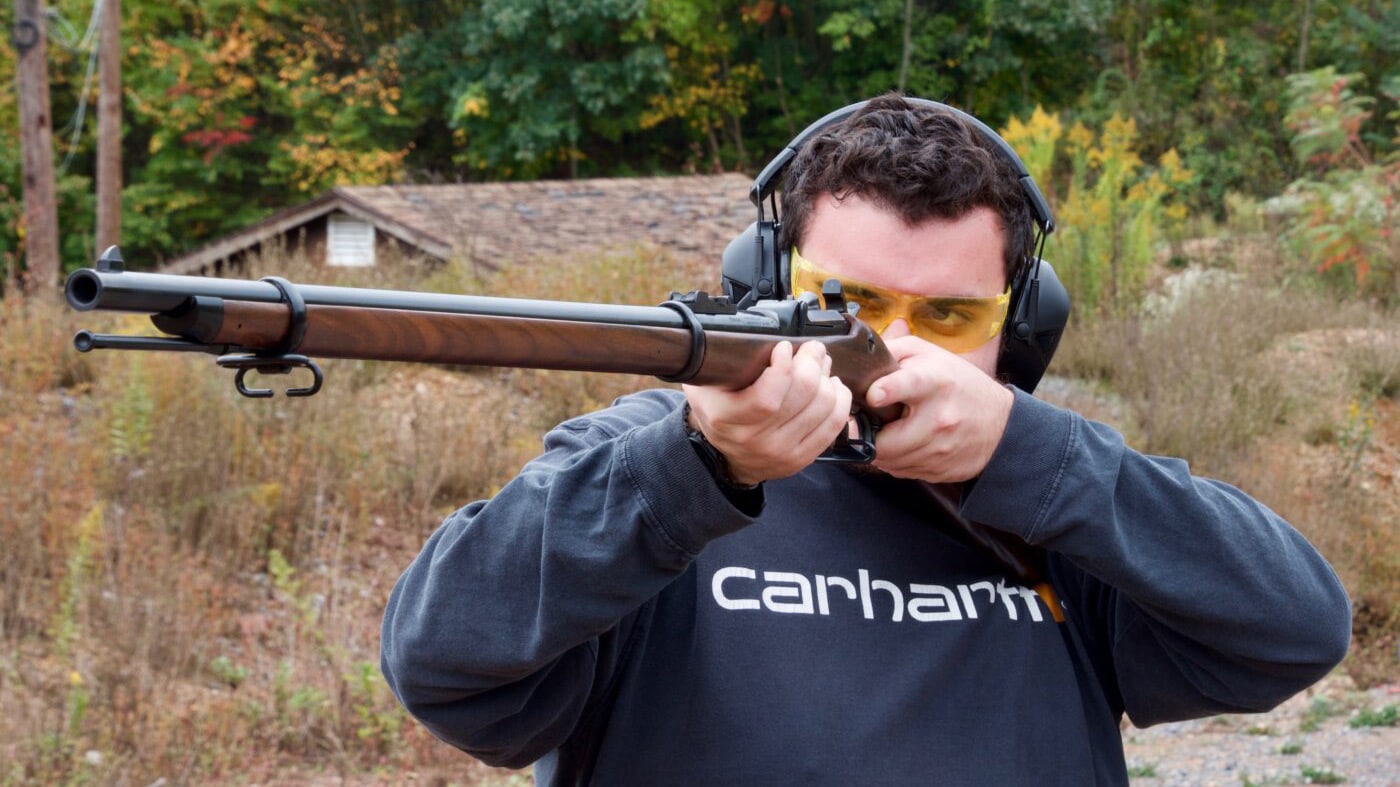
pixel 732 360
pixel 435 337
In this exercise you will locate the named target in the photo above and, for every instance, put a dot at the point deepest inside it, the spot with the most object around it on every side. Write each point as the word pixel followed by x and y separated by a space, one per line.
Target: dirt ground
pixel 1307 740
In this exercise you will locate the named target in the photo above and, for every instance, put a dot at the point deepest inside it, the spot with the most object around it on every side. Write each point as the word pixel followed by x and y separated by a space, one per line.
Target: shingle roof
pixel 490 223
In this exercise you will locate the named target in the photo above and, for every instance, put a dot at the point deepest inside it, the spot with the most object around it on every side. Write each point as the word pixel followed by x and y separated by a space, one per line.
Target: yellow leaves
pixel 1080 138
pixel 91 522
pixel 1042 126
pixel 1115 152
pixel 1035 141
pixel 1112 209
pixel 1172 170
pixel 319 165
pixel 706 92
pixel 474 106
pixel 1121 131
pixel 266 496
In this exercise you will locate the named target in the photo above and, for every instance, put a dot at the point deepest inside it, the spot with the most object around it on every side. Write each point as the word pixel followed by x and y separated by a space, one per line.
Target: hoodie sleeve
pixel 515 615
pixel 1204 600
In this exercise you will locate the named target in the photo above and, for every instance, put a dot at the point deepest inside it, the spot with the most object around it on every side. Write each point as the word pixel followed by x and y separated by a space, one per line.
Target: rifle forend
pixel 273 326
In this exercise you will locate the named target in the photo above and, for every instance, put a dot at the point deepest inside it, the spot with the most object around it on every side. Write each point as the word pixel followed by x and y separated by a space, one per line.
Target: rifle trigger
pixel 858 450
pixel 271 364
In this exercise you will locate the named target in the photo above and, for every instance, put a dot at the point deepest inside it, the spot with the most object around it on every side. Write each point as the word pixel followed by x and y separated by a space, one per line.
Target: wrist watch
pixel 714 460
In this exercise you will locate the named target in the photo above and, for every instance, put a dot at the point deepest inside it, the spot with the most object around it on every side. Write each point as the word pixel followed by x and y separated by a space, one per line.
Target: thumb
pixel 893 387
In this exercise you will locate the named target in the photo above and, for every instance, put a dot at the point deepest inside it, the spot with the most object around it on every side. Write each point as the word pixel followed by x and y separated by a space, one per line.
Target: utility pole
pixel 36 147
pixel 109 127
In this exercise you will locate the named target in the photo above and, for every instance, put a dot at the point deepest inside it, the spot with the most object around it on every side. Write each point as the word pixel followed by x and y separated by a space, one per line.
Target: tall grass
pixel 1287 391
pixel 1213 371
pixel 193 581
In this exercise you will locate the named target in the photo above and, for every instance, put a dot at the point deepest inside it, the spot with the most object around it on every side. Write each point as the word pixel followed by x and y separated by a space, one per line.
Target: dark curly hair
pixel 917 161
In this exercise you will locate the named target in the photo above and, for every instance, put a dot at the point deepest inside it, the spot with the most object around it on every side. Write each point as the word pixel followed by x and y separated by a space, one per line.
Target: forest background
pixel 191 586
pixel 234 109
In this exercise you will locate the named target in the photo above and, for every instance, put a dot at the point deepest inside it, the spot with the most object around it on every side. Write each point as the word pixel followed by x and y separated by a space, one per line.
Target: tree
pixel 545 86
pixel 706 90
pixel 243 107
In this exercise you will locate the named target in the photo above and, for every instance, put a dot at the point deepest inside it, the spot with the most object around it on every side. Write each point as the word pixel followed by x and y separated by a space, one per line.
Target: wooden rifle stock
pixel 693 338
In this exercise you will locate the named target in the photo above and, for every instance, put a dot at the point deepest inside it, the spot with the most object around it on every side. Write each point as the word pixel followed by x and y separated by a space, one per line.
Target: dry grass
pixel 193 582
pixel 1288 393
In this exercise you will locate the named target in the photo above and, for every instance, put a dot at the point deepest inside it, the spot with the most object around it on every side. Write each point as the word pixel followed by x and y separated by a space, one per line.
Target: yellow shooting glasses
pixel 956 324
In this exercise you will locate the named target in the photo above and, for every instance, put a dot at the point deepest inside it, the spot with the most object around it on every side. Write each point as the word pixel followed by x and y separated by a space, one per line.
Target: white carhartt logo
pixel 738 588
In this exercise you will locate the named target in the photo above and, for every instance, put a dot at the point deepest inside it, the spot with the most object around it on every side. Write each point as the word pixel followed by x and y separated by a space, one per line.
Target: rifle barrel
pixel 154 293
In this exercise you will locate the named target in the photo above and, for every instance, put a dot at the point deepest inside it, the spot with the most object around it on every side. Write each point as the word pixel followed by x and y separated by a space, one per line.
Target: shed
pixel 487 224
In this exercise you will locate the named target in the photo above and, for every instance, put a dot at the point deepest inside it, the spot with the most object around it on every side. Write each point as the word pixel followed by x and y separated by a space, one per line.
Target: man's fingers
pixel 778 425
pixel 900 385
pixel 816 416
pixel 765 398
pixel 809 366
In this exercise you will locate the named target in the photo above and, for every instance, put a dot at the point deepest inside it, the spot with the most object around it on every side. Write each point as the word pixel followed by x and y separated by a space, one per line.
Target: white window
pixel 349 241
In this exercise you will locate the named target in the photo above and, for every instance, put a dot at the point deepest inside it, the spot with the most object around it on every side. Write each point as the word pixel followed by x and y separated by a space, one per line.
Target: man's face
pixel 857 238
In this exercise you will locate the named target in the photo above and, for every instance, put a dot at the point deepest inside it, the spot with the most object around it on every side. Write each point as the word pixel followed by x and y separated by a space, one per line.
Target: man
pixel 624 612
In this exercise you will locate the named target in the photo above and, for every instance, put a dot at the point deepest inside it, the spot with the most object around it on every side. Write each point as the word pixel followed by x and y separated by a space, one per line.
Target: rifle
pixel 273 326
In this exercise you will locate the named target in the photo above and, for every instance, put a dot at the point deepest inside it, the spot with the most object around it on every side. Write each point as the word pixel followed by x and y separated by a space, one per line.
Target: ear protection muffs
pixel 755 269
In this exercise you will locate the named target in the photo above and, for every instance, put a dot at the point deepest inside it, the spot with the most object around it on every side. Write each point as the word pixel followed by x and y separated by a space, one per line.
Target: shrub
pixel 1345 210
pixel 1111 211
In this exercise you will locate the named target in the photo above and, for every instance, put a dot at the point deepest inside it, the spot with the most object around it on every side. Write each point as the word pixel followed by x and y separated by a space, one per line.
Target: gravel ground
pixel 1313 728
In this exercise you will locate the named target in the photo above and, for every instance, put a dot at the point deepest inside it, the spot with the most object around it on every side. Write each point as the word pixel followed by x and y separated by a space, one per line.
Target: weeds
pixel 213 569
pixel 1313 775
pixel 1389 716
pixel 1143 771
pixel 1206 391
pixel 1319 710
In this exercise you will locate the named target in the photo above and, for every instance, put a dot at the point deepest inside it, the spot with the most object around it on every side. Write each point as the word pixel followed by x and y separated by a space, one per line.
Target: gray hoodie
pixel 614 618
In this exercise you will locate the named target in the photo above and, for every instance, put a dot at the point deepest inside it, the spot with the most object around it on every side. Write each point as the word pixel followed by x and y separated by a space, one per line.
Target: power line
pixel 89 43
pixel 54 15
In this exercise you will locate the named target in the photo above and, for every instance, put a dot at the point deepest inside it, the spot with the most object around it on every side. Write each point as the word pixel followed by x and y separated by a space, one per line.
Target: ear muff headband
pixel 767 181
pixel 754 268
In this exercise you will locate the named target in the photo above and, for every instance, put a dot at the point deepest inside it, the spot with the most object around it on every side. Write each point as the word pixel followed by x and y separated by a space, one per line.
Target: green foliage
pixel 1143 771
pixel 235 109
pixel 707 91
pixel 66 625
pixel 226 671
pixel 1112 208
pixel 538 79
pixel 1313 775
pixel 378 719
pixel 1344 212
pixel 1319 710
pixel 1389 716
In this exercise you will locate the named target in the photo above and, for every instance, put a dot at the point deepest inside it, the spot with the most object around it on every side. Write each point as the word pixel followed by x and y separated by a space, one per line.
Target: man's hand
pixel 954 414
pixel 781 423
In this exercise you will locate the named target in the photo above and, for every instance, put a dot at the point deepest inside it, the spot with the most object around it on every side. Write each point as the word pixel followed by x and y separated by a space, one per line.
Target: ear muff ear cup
pixel 754 269
pixel 751 266
pixel 1039 312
